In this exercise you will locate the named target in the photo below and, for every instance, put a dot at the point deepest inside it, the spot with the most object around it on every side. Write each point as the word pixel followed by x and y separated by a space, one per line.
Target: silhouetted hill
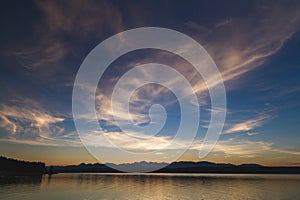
pixel 250 165
pixel 175 167
pixel 209 167
pixel 82 168
pixel 184 164
pixel 12 167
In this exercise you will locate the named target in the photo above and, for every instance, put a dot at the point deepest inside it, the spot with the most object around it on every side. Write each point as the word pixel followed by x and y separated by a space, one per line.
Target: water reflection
pixel 156 186
pixel 36 180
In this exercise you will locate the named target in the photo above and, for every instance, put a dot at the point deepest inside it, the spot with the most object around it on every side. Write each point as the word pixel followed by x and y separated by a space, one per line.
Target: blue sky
pixel 255 45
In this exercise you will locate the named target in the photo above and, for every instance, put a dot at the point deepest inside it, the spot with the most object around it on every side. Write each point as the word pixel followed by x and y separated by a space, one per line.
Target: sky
pixel 254 44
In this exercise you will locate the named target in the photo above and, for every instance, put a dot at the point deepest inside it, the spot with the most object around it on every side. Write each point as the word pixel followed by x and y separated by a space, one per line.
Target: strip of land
pixel 12 167
pixel 175 167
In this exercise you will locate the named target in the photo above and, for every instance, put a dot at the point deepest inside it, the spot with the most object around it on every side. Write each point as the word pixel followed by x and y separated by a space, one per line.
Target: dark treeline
pixel 12 167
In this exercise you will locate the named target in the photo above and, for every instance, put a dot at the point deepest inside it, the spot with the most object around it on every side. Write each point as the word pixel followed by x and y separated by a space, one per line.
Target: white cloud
pixel 239 45
pixel 236 45
pixel 247 125
pixel 230 147
pixel 26 121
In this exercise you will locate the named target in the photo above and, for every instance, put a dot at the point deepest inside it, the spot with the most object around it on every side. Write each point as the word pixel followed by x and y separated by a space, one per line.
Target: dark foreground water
pixel 154 186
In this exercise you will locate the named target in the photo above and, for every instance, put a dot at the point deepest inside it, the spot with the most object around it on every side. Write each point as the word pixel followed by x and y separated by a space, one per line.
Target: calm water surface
pixel 154 186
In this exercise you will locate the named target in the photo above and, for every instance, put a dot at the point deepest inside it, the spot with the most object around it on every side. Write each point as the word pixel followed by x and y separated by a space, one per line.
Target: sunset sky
pixel 255 45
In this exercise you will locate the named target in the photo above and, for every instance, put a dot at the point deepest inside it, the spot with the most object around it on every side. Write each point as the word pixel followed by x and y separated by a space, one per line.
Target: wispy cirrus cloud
pixel 79 15
pixel 247 125
pixel 27 109
pixel 242 147
pixel 26 121
pixel 230 147
pixel 44 55
pixel 35 126
pixel 59 20
pixel 239 45
pixel 284 151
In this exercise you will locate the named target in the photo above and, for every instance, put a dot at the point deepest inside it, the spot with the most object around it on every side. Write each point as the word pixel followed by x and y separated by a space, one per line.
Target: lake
pixel 154 186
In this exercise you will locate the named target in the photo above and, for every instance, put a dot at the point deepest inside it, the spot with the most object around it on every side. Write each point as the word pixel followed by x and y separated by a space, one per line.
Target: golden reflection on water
pixel 156 186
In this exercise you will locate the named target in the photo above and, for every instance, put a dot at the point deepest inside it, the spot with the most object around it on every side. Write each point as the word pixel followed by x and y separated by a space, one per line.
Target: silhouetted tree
pixel 10 166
